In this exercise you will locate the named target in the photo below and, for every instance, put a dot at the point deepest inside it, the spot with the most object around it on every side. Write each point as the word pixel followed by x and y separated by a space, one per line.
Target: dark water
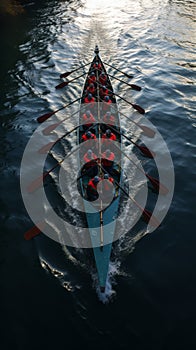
pixel 48 297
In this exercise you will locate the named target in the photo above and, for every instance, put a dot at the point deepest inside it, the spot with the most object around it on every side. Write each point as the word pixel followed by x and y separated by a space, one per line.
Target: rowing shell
pixel 100 217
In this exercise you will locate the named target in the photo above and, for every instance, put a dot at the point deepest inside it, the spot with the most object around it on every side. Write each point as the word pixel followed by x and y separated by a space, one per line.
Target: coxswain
pixel 97 65
pixel 91 89
pixel 90 167
pixel 91 189
pixel 88 119
pixel 103 78
pixel 92 78
pixel 107 160
pixel 90 99
pixel 106 103
pixel 103 92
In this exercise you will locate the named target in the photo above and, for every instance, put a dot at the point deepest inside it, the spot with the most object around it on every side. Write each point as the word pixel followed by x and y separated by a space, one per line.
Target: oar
pixel 133 86
pixel 35 184
pixel 46 116
pixel 52 127
pixel 135 106
pixel 147 215
pixel 34 231
pixel 143 149
pixel 65 83
pixel 158 186
pixel 64 75
pixel 46 148
pixel 127 75
pixel 146 130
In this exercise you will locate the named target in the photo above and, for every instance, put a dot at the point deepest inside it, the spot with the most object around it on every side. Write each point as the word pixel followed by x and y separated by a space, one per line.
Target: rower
pixel 108 119
pixel 88 136
pixel 91 78
pixel 91 189
pixel 107 160
pixel 90 100
pixel 106 103
pixel 90 167
pixel 103 78
pixel 88 120
pixel 91 89
pixel 97 66
pixel 103 92
pixel 108 137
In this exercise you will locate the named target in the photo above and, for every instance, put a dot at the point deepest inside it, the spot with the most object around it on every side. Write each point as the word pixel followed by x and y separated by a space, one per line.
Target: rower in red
pixel 107 102
pixel 91 190
pixel 103 78
pixel 108 136
pixel 90 167
pixel 91 89
pixel 91 78
pixel 97 66
pixel 90 100
pixel 107 160
pixel 107 188
pixel 88 136
pixel 103 92
pixel 108 119
pixel 88 119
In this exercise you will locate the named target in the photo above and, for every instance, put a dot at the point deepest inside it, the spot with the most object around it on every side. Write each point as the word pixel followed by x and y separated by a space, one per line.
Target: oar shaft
pixel 127 75
pixel 46 116
pixel 64 75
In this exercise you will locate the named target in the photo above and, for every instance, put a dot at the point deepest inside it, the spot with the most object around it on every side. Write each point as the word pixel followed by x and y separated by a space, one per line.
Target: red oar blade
pixel 147 131
pixel 148 216
pixel 50 128
pixel 146 151
pixel 34 231
pixel 46 148
pixel 37 183
pixel 44 117
pixel 158 186
pixel 62 85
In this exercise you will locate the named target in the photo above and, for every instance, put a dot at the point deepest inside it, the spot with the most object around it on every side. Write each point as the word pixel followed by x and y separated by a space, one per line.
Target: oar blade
pixel 149 217
pixel 138 108
pixel 158 186
pixel 65 75
pixel 62 85
pixel 44 117
pixel 37 183
pixel 34 231
pixel 46 148
pixel 135 87
pixel 50 128
pixel 147 152
pixel 127 75
pixel 147 131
